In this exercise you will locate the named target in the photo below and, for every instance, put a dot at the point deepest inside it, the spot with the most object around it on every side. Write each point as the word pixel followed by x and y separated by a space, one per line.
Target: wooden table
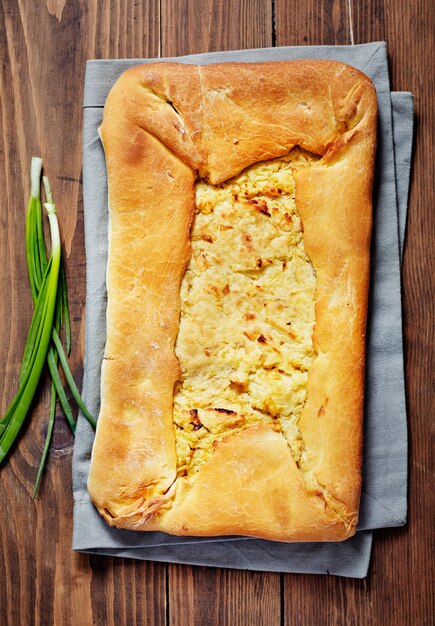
pixel 44 46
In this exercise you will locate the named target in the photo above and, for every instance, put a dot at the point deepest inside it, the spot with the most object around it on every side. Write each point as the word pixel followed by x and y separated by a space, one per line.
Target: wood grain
pixel 313 22
pixel 43 52
pixel 219 597
pixel 195 594
pixel 190 27
pixel 400 558
pixel 43 48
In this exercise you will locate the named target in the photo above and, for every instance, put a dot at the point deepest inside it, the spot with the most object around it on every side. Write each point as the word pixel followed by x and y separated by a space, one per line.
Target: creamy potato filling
pixel 247 313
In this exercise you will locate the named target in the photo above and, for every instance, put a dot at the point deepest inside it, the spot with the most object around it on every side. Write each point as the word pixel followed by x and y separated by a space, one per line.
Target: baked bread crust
pixel 164 125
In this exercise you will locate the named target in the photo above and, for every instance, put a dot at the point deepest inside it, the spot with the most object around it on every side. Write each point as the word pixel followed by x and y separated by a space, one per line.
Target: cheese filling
pixel 247 313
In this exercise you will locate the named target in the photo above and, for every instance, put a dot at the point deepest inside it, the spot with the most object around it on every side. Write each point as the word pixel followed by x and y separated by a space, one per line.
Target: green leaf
pixel 41 342
pixel 49 293
pixel 65 309
pixel 48 437
pixel 66 407
pixel 71 382
pixel 31 343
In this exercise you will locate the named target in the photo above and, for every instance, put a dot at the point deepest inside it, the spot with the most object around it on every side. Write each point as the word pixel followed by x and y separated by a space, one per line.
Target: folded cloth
pixel 384 494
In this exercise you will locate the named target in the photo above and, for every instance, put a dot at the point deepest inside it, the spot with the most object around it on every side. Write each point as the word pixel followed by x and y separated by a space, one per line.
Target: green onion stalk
pixel 48 287
pixel 37 345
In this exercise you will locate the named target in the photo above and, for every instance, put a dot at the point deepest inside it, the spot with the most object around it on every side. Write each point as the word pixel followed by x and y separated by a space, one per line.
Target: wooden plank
pixel 190 27
pixel 126 591
pixel 43 52
pixel 399 588
pixel 313 22
pixel 204 595
pixel 405 560
pixel 200 595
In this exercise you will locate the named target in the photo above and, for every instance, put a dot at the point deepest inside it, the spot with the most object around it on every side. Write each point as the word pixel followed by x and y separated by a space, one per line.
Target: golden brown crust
pixel 163 123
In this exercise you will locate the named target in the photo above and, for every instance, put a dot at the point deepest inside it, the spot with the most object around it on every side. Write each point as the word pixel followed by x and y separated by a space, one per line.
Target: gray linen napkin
pixel 383 501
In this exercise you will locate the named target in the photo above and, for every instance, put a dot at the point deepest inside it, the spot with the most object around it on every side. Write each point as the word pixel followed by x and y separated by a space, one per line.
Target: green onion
pixel 68 375
pixel 48 437
pixel 65 309
pixel 49 293
pixel 43 321
pixel 52 360
pixel 63 306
